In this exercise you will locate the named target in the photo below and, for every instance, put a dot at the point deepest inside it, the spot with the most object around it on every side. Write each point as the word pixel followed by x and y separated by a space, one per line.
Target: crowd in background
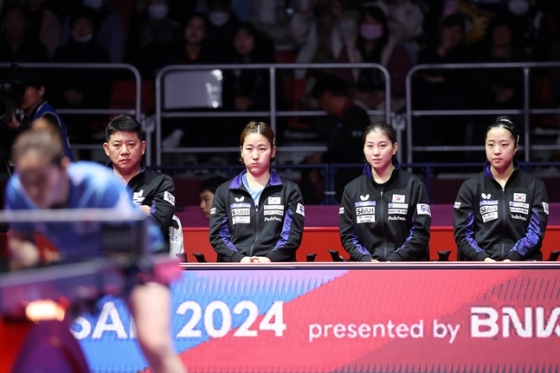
pixel 397 34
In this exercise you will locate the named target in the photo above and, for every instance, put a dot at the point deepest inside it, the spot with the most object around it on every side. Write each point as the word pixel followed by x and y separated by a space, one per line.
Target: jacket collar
pixel 369 174
pixel 488 171
pixel 237 182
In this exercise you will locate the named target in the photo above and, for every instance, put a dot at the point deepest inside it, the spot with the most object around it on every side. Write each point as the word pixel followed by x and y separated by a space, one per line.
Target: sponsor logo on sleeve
pixel 423 209
pixel 545 207
pixel 457 205
pixel 519 197
pixel 300 209
pixel 399 198
pixel 212 211
pixel 168 197
pixel 341 210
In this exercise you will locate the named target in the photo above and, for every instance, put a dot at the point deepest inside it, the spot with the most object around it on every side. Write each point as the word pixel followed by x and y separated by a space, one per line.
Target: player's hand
pixel 261 259
pixel 489 259
pixel 507 260
pixel 145 209
pixel 24 254
pixel 375 261
pixel 246 259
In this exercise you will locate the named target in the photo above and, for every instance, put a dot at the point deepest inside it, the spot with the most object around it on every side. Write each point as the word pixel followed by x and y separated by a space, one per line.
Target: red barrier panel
pixel 320 240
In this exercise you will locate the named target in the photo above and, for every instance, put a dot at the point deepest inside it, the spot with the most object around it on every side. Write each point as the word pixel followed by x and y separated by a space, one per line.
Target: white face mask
pixel 82 39
pixel 158 11
pixel 219 18
pixel 518 7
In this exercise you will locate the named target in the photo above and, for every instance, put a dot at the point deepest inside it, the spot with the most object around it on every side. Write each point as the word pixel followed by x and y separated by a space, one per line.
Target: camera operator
pixel 29 103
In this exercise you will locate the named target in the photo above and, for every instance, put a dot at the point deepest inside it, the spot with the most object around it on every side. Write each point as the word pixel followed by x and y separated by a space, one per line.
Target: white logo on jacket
pixel 545 207
pixel 274 200
pixel 423 209
pixel 137 197
pixel 486 196
pixel 364 198
pixel 168 197
pixel 300 209
pixel 240 199
pixel 457 205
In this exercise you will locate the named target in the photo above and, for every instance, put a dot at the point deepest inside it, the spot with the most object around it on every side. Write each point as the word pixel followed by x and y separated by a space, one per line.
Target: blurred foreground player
pixel 46 179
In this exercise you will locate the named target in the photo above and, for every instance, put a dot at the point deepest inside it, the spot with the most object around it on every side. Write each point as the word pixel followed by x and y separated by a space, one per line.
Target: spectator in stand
pixel 320 32
pixel 154 34
pixel 443 89
pixel 110 34
pixel 152 191
pixel 82 89
pixel 248 89
pixel 195 46
pixel 44 25
pixel 499 88
pixel 374 44
pixel 206 193
pixel 343 128
pixel 15 45
pixel 222 26
pixel 404 18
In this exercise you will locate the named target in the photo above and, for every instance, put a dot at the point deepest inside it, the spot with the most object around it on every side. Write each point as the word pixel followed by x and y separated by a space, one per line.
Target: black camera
pixel 12 86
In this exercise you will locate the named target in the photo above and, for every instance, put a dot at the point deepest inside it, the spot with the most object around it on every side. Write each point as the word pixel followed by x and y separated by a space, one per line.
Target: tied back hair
pixel 507 124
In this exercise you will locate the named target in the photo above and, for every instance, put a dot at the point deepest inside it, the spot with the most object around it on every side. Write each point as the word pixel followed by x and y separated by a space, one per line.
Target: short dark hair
pixel 329 83
pixel 123 123
pixel 211 184
pixel 382 127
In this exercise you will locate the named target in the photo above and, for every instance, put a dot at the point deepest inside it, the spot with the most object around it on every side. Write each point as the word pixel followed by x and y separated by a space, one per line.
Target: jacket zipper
pixel 504 217
pixel 382 205
pixel 256 228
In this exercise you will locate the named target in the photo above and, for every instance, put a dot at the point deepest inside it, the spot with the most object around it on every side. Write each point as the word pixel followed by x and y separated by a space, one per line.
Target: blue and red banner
pixel 347 320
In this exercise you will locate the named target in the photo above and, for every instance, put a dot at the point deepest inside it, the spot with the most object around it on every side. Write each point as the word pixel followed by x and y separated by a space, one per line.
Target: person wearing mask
pixel 373 44
pixel 501 213
pixel 45 179
pixel 385 213
pixel 15 45
pixel 257 217
pixel 152 191
pixel 206 193
pixel 222 26
pixel 111 33
pixel 82 88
